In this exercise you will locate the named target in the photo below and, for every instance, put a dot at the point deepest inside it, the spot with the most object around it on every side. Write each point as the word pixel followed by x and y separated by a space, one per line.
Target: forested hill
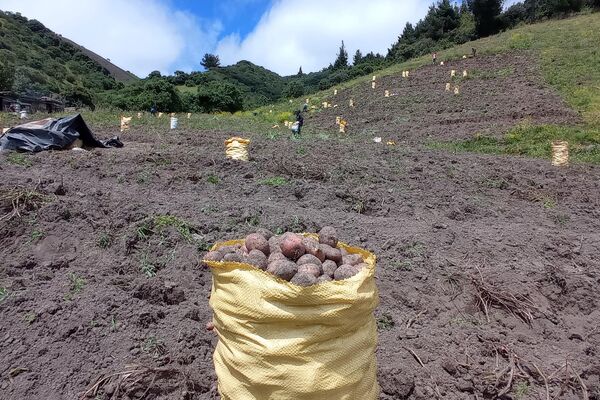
pixel 35 60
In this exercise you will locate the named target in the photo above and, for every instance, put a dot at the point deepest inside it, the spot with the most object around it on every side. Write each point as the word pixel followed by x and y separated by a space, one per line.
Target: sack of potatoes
pixel 301 260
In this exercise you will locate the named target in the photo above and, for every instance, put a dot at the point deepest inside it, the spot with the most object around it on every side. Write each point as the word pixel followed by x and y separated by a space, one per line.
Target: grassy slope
pixel 569 56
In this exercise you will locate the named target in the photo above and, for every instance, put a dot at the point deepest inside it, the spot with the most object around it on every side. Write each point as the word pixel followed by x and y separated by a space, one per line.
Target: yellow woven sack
pixel 279 341
pixel 236 148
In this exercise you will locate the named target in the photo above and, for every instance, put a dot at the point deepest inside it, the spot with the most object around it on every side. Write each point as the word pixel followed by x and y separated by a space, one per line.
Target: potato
pixel 292 246
pixel 311 269
pixel 213 256
pixel 344 272
pixel 324 278
pixel 258 259
pixel 329 268
pixel 274 244
pixel 233 257
pixel 255 241
pixel 313 248
pixel 267 234
pixel 308 259
pixel 332 254
pixel 328 236
pixel 244 250
pixel 283 269
pixel 276 256
pixel 228 249
pixel 352 259
pixel 303 279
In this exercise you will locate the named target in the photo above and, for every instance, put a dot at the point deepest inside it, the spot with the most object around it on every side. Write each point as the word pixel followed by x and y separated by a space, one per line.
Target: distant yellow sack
pixel 286 342
pixel 125 121
pixel 236 148
pixel 560 153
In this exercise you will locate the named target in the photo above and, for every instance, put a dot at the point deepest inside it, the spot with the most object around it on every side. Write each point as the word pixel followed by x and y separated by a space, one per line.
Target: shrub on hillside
pixel 219 96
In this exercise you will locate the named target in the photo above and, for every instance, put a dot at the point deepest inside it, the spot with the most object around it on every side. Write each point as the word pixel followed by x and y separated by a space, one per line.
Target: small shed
pixel 10 102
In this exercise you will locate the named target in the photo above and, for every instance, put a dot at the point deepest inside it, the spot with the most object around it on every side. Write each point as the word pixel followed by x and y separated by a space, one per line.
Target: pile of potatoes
pixel 297 259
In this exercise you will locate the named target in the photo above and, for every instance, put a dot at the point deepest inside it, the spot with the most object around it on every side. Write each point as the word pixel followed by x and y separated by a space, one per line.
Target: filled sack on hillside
pixel 53 134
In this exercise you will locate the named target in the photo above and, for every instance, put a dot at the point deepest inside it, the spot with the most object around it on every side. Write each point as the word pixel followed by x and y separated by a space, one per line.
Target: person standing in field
pixel 434 58
pixel 299 122
pixel 153 110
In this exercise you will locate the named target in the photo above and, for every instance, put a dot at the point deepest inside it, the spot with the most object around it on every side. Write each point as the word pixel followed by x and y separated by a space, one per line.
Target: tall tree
pixel 357 57
pixel 486 14
pixel 300 73
pixel 210 61
pixel 342 58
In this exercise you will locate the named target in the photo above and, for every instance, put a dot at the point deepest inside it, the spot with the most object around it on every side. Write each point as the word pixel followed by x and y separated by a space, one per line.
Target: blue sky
pixel 168 35
pixel 237 16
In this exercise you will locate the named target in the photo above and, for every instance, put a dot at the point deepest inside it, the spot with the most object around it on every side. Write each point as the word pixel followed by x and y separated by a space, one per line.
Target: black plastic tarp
pixel 53 134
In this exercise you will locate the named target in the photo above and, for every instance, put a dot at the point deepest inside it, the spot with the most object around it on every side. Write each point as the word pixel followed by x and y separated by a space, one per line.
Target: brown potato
pixel 276 256
pixel 329 268
pixel 313 248
pixel 328 236
pixel 258 259
pixel 311 269
pixel 324 278
pixel 352 259
pixel 304 279
pixel 332 254
pixel 267 234
pixel 213 256
pixel 283 269
pixel 345 272
pixel 308 259
pixel 274 244
pixel 233 257
pixel 292 246
pixel 255 241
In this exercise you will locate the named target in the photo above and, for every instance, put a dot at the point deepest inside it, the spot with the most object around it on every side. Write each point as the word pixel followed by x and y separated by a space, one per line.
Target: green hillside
pixel 258 85
pixel 567 53
pixel 34 59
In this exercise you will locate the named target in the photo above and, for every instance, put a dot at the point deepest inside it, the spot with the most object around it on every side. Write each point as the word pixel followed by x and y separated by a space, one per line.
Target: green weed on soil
pixel 534 141
pixel 3 294
pixel 18 159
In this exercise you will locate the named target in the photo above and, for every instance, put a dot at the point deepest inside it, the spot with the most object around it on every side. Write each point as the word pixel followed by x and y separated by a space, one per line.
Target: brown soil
pixel 450 231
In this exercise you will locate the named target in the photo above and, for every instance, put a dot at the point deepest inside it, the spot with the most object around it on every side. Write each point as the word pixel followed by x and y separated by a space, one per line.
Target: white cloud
pixel 308 33
pixel 137 35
